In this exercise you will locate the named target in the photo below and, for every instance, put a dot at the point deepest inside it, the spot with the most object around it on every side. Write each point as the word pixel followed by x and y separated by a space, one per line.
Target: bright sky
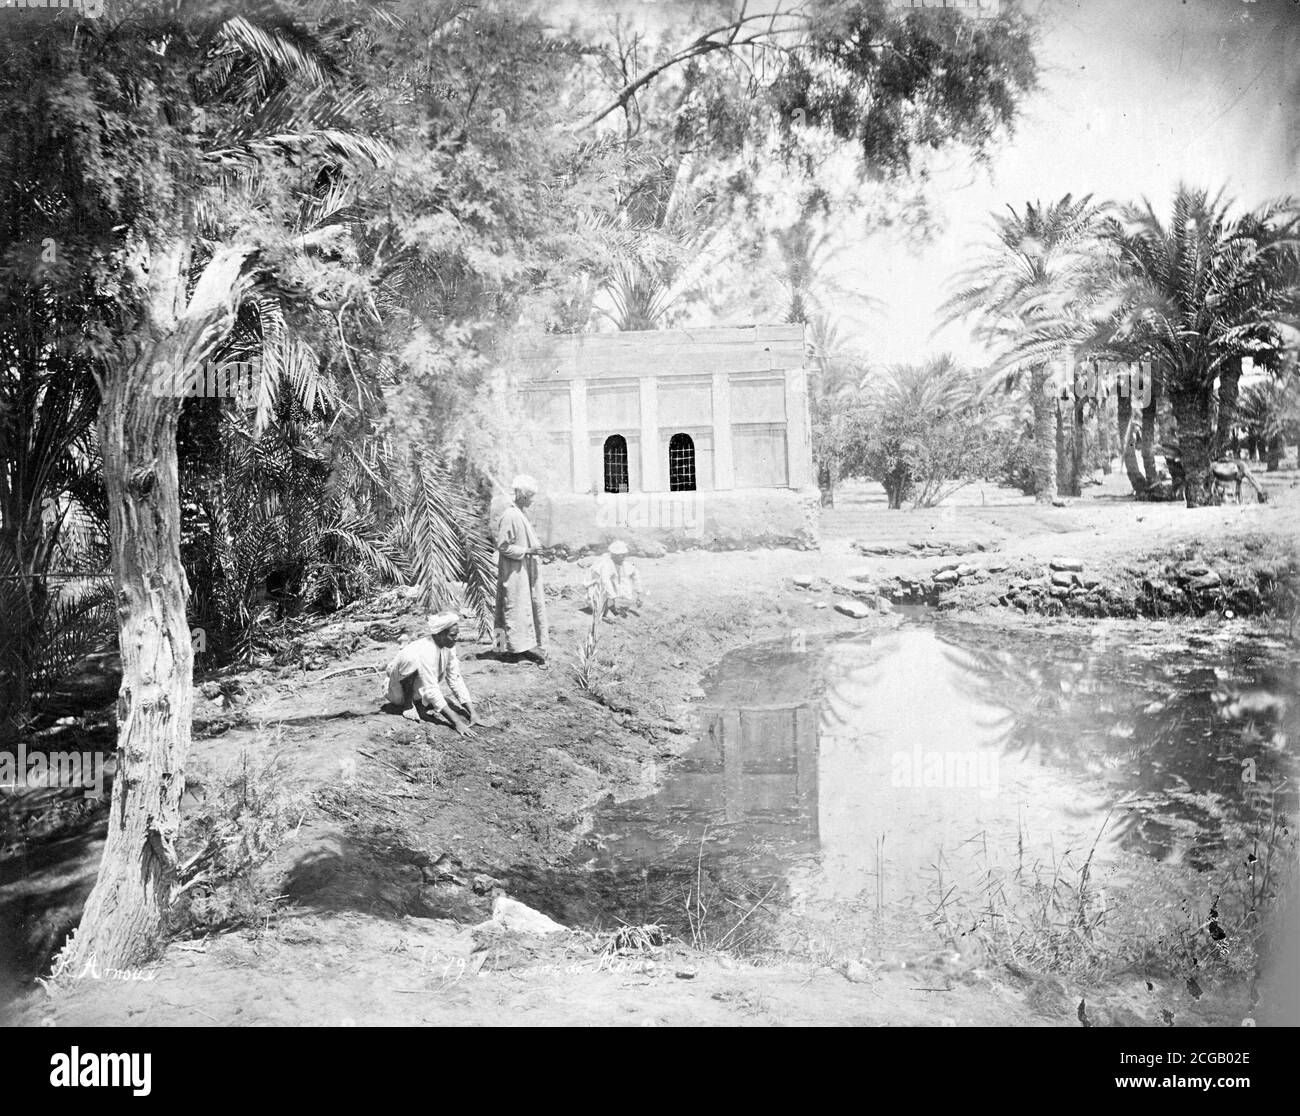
pixel 1136 95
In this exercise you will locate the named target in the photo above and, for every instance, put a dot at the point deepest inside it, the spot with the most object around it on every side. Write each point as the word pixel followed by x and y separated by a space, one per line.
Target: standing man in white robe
pixel 521 607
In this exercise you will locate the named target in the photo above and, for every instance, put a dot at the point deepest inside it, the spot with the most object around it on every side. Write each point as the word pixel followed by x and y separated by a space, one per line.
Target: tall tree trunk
pixel 1149 428
pixel 1192 413
pixel 1274 453
pixel 1044 444
pixel 1077 455
pixel 1105 434
pixel 1228 382
pixel 125 916
pixel 1128 446
pixel 897 482
pixel 1062 452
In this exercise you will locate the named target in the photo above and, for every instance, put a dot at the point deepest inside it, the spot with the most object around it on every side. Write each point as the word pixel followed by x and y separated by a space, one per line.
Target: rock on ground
pixel 511 914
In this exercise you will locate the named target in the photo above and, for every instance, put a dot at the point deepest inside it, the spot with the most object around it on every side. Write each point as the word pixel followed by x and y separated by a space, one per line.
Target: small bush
pixel 924 431
pixel 228 841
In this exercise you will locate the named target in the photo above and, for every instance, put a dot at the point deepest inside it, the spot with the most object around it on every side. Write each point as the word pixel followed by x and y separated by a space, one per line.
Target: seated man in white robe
pixel 613 583
pixel 424 678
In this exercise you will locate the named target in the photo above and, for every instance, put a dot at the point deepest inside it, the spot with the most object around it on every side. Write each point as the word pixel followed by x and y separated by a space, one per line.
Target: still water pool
pixel 927 770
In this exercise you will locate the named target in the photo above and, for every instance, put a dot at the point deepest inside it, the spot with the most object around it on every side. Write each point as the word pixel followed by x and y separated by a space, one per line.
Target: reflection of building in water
pixel 814 767
pixel 766 759
pixel 750 779
pixel 846 773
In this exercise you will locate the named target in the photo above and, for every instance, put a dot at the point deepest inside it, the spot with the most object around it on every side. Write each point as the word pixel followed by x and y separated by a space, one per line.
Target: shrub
pixel 924 431
pixel 229 839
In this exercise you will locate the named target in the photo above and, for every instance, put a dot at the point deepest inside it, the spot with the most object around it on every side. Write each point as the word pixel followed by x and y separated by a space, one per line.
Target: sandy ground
pixel 412 830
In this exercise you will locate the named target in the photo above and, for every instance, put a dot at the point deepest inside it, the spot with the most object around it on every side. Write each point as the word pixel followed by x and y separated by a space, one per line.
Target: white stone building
pixel 680 436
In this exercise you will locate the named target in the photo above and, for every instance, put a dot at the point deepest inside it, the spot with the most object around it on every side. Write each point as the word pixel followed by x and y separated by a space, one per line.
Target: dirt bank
pixel 408 832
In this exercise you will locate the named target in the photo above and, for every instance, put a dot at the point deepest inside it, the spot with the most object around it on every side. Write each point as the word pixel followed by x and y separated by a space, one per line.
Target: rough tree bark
pixel 1044 444
pixel 1274 453
pixel 1078 430
pixel 897 484
pixel 1062 453
pixel 126 913
pixel 1128 448
pixel 1149 431
pixel 1229 378
pixel 1192 413
pixel 1104 433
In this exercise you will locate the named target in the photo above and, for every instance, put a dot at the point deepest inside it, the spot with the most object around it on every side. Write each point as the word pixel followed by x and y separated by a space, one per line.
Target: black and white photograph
pixel 650 514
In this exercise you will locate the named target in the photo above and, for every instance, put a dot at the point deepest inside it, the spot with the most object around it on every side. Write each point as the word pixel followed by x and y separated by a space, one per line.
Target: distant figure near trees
pixel 521 607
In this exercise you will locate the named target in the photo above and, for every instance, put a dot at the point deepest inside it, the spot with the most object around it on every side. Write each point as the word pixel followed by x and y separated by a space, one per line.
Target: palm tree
pixel 1029 296
pixel 1270 412
pixel 807 249
pixel 1201 292
pixel 919 431
pixel 837 369
pixel 667 235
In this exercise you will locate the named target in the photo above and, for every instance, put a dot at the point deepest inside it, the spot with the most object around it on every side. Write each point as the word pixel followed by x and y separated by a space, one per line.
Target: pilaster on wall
pixel 724 465
pixel 798 429
pixel 579 448
pixel 653 477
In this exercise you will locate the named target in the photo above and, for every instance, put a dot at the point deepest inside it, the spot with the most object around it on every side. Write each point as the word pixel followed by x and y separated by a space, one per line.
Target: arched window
pixel 681 464
pixel 616 463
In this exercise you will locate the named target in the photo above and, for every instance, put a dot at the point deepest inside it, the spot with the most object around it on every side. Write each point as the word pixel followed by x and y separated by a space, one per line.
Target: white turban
pixel 618 546
pixel 524 483
pixel 441 621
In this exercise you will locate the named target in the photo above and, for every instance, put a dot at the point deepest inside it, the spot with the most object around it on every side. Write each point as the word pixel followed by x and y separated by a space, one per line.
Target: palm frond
pixel 446 544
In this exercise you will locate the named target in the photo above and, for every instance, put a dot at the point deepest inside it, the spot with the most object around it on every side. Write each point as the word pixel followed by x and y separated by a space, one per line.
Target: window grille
pixel 616 476
pixel 681 464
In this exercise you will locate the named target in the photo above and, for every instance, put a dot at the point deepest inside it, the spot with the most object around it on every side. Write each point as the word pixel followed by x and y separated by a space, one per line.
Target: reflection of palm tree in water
pixel 744 807
pixel 1148 729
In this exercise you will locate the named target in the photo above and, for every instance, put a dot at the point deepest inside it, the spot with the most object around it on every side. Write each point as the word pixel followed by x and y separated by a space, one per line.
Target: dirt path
pixel 411 831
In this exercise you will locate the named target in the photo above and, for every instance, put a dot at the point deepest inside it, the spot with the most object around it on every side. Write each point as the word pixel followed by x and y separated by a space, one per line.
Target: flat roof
pixel 663 352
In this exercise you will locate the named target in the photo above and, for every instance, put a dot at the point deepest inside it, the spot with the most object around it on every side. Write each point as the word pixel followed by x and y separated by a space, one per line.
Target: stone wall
pixel 736 519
